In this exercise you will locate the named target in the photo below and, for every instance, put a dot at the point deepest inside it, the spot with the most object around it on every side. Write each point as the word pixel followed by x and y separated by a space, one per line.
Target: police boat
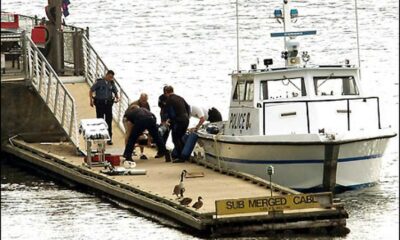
pixel 309 122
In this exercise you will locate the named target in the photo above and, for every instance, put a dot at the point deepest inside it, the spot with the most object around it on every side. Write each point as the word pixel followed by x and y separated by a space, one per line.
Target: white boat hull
pixel 300 165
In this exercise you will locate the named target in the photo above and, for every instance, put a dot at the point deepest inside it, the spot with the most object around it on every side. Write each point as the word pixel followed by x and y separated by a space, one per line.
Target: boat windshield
pixel 282 88
pixel 244 91
pixel 335 86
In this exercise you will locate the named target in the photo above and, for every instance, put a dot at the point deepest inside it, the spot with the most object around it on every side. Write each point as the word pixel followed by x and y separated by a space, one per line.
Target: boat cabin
pixel 302 100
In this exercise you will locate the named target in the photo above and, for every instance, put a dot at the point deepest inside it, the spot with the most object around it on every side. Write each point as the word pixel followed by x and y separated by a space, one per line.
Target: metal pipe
pixel 237 36
pixel 358 40
pixel 42 74
pixel 48 88
pixel 56 100
pixel 64 108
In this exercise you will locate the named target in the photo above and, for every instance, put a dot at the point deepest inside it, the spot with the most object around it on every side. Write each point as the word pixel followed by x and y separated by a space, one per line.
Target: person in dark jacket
pixel 162 101
pixel 143 103
pixel 106 94
pixel 178 113
pixel 143 119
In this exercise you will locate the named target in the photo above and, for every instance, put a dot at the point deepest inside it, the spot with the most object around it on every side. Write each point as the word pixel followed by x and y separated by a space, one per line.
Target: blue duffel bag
pixel 190 140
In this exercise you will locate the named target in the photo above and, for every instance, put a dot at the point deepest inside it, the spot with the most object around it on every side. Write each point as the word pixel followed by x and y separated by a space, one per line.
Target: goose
pixel 198 204
pixel 179 189
pixel 185 201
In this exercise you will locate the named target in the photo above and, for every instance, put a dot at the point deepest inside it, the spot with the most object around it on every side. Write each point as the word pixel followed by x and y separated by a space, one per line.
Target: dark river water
pixel 192 45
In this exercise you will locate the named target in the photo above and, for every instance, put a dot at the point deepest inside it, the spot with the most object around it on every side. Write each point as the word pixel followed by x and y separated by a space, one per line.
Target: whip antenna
pixel 237 35
pixel 358 41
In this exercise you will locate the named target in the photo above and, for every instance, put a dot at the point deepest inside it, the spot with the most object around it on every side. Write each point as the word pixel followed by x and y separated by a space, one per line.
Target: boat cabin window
pixel 335 86
pixel 283 88
pixel 244 91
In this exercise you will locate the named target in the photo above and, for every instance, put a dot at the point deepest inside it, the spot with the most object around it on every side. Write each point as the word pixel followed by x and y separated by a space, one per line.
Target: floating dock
pixel 153 191
pixel 40 112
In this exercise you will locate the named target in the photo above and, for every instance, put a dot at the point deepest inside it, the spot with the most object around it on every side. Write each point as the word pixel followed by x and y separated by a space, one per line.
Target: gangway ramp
pixel 80 92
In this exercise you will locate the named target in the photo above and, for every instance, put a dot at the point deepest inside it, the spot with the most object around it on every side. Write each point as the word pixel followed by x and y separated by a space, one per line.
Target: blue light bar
pixel 294 13
pixel 293 34
pixel 278 13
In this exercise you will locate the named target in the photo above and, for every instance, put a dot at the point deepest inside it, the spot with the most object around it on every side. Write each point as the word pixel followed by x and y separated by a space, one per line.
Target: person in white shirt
pixel 204 114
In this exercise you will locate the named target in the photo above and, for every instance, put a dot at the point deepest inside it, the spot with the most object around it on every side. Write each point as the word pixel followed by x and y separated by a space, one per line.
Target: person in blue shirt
pixel 106 94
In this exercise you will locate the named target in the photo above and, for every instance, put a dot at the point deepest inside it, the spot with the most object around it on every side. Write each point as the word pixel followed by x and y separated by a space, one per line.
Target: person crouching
pixel 143 119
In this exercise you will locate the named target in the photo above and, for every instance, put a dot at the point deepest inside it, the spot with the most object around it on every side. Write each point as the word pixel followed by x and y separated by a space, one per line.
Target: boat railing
pixel 95 68
pixel 51 89
pixel 312 105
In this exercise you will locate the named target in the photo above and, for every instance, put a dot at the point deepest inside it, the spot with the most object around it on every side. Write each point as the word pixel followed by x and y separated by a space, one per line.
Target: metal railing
pixel 95 68
pixel 51 90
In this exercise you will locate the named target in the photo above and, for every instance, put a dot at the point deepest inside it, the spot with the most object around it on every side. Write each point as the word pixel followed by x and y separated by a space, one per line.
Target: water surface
pixel 192 45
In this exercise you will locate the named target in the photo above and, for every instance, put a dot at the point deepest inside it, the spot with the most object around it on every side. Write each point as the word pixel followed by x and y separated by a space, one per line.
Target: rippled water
pixel 192 45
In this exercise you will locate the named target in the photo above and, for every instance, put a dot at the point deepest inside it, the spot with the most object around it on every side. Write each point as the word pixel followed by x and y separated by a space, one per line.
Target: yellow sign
pixel 276 203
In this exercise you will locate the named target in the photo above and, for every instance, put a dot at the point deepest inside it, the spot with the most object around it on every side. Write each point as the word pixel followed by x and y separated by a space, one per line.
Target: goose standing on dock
pixel 179 189
pixel 198 204
pixel 185 201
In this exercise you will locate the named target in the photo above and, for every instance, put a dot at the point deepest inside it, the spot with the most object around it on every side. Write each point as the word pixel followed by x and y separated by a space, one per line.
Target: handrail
pixel 51 89
pixel 94 68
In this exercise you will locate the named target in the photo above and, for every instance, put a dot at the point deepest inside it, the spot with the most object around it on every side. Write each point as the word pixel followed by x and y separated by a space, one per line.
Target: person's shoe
pixel 168 156
pixel 128 158
pixel 166 153
pixel 178 161
pixel 143 157
pixel 159 155
pixel 109 142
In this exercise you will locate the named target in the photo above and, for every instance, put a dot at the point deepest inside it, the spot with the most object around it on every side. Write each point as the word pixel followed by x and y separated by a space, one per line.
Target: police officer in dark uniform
pixel 106 94
pixel 178 112
pixel 143 119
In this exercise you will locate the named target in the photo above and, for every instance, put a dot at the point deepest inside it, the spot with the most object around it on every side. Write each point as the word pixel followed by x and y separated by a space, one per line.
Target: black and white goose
pixel 180 188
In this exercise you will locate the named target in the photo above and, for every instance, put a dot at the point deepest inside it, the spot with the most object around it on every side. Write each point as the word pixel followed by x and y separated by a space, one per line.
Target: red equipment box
pixel 95 158
pixel 38 34
pixel 113 159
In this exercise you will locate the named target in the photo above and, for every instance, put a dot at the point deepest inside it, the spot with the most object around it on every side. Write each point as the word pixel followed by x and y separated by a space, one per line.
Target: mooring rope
pixel 216 138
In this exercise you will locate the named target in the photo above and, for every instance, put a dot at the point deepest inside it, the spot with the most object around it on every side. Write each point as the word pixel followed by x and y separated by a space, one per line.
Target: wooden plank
pixel 194 174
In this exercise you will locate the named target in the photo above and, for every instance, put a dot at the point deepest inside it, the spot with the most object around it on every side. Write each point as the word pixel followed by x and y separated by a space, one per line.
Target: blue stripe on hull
pixel 311 161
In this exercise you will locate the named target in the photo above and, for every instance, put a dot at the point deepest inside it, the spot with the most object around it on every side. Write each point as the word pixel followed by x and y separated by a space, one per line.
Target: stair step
pixel 72 79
